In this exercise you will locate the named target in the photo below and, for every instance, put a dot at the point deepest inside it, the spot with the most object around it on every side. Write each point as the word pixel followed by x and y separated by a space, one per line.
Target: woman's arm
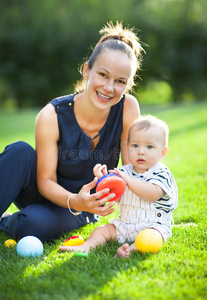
pixel 46 137
pixel 130 114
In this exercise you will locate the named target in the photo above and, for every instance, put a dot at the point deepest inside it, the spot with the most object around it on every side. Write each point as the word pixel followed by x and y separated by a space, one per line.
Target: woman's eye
pixel 121 81
pixel 102 74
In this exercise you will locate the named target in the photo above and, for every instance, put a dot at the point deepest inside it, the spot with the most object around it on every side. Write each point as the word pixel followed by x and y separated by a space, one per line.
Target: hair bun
pixel 118 32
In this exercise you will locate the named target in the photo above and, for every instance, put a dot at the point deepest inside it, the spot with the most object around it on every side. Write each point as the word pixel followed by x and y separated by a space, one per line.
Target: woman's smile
pixel 103 97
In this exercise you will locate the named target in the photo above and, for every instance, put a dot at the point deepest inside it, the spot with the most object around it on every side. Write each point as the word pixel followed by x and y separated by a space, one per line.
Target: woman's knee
pixel 22 149
pixel 19 153
pixel 23 158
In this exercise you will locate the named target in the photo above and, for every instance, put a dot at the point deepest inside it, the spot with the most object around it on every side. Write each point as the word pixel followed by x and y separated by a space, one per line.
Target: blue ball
pixel 30 246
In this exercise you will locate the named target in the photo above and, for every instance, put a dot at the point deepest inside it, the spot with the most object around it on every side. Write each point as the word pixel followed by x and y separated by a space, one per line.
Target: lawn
pixel 178 271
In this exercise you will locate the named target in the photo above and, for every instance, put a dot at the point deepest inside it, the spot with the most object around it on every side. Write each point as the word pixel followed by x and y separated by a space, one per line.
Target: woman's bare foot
pixel 81 248
pixel 123 251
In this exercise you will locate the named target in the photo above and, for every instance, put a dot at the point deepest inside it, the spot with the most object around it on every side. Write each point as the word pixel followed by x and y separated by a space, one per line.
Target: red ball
pixel 115 183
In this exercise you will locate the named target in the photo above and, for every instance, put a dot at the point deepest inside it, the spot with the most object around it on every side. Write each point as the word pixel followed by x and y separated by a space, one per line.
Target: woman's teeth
pixel 103 96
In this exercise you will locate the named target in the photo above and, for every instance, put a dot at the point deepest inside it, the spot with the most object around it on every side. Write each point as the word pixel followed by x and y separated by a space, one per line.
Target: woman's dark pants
pixel 37 216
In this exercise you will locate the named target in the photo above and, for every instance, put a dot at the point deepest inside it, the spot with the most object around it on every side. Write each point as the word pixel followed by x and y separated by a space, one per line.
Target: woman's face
pixel 108 79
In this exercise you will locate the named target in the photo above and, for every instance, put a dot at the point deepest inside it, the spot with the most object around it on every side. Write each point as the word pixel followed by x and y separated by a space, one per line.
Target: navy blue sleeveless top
pixel 75 158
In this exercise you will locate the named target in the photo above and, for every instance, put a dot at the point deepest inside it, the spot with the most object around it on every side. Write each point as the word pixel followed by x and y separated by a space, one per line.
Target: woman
pixel 54 186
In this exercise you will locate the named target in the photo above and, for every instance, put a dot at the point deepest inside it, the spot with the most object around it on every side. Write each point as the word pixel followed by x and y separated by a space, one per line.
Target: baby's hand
pixel 120 174
pixel 99 170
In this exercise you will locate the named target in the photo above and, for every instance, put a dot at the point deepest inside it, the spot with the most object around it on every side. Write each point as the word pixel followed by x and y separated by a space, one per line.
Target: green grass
pixel 17 126
pixel 178 271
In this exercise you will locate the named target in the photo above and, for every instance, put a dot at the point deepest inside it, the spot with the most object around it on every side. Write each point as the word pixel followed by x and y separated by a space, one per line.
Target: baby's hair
pixel 116 38
pixel 147 121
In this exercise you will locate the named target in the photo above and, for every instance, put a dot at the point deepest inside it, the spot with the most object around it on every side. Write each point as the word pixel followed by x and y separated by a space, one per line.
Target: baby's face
pixel 146 148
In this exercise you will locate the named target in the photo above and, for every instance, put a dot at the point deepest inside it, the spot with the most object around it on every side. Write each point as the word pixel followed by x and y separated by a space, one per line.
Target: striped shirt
pixel 136 214
pixel 159 175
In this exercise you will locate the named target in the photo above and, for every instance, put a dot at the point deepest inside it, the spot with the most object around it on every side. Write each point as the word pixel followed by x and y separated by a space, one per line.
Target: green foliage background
pixel 42 43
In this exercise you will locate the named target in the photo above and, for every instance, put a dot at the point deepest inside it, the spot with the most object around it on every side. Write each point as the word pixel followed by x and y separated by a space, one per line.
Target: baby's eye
pixel 149 146
pixel 135 146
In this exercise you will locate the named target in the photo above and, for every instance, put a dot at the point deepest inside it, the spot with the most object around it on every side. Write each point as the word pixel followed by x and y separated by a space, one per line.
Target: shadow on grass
pixel 60 275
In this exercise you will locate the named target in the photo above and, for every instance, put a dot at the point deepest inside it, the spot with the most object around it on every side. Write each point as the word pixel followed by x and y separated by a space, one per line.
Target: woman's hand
pixel 84 201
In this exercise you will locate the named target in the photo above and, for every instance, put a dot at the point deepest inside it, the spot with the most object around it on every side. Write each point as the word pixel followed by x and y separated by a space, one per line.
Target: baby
pixel 151 193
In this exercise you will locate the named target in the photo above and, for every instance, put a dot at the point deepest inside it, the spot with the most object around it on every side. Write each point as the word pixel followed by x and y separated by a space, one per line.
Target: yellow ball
pixel 10 243
pixel 148 241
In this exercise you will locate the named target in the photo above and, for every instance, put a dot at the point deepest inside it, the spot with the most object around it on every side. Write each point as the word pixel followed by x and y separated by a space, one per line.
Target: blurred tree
pixel 36 51
pixel 176 32
pixel 42 43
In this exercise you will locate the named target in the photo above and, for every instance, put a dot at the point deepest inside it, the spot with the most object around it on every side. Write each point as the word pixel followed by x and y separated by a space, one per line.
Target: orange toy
pixel 74 241
pixel 115 183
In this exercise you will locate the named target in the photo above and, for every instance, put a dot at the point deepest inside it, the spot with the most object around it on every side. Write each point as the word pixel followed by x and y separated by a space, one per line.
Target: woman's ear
pixel 164 152
pixel 85 71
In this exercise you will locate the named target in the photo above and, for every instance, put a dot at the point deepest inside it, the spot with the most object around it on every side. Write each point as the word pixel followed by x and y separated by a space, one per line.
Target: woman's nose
pixel 109 86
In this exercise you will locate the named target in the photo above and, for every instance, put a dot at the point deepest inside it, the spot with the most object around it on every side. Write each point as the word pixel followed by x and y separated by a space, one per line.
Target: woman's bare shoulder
pixel 131 108
pixel 131 101
pixel 46 120
pixel 47 113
